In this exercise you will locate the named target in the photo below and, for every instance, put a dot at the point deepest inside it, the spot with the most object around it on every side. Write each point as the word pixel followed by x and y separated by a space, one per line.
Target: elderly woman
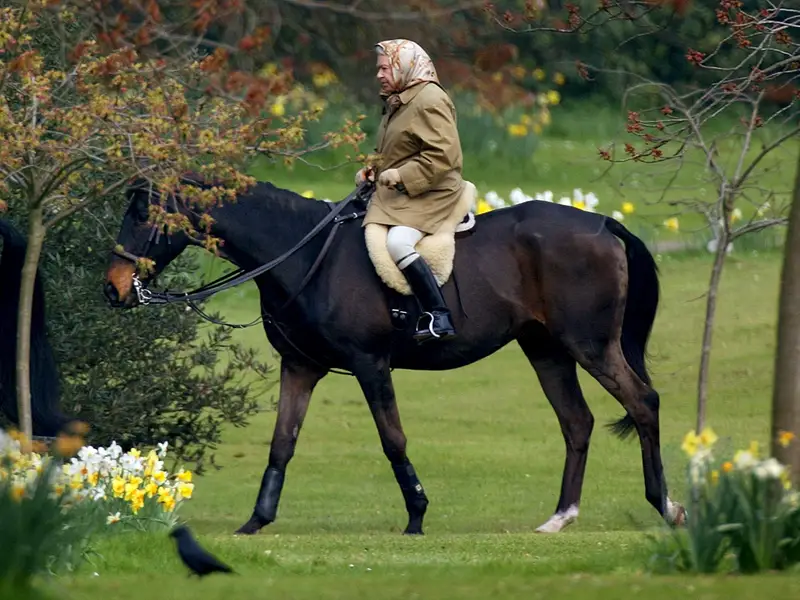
pixel 419 178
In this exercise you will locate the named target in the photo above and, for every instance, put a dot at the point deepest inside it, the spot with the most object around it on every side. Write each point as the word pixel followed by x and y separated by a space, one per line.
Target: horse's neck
pixel 256 230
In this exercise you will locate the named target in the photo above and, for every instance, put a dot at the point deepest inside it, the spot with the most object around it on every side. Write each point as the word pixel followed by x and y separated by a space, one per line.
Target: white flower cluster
pixel 579 199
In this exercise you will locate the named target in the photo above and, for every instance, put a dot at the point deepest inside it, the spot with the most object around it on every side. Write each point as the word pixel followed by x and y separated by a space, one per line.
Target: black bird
pixel 193 556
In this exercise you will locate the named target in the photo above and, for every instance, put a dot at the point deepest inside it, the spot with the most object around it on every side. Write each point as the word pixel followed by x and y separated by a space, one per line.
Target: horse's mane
pixel 45 390
pixel 262 191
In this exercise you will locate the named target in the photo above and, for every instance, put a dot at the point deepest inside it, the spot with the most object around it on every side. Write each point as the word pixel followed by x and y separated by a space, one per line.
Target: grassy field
pixel 487 447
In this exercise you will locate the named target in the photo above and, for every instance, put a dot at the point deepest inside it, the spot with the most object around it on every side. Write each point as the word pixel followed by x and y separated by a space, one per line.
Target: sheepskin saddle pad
pixel 438 249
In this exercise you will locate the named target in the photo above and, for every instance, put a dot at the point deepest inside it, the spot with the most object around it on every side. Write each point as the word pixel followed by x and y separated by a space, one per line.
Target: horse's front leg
pixel 376 383
pixel 297 383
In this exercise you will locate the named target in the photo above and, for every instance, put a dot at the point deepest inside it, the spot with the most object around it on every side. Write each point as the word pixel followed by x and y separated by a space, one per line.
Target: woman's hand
pixel 365 174
pixel 390 178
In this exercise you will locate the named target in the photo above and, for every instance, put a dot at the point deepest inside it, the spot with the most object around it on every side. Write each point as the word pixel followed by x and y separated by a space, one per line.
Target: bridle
pixel 147 297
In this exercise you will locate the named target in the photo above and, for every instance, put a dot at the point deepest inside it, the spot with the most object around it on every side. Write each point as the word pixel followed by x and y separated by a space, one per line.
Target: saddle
pixel 438 249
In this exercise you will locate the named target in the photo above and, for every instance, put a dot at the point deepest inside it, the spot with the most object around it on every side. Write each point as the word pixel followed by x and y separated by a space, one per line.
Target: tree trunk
pixel 36 233
pixel 786 383
pixel 708 329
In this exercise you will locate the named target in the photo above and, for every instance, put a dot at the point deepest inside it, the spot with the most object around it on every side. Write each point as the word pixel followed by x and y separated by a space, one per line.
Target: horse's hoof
pixel 680 517
pixel 676 514
pixel 409 531
pixel 252 527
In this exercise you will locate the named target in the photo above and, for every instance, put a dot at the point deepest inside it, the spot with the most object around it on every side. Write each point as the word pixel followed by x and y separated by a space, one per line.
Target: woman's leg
pixel 401 243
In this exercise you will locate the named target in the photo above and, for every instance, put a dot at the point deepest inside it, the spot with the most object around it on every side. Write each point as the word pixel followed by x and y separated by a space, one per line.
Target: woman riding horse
pixel 419 178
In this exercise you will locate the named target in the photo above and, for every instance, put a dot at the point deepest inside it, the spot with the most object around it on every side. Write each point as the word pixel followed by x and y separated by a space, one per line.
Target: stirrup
pixel 420 333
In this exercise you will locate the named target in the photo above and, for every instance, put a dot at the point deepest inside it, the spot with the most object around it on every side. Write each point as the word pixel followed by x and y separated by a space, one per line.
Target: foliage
pixel 744 509
pixel 45 529
pixel 146 375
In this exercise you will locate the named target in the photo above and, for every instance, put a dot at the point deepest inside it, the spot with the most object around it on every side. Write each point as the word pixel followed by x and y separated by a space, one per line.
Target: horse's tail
pixel 640 309
pixel 45 392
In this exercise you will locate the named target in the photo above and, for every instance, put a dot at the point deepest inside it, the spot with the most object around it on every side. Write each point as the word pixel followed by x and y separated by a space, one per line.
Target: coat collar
pixel 409 94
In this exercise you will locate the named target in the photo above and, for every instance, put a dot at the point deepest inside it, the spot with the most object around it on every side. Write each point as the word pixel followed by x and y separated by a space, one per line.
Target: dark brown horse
pixel 555 279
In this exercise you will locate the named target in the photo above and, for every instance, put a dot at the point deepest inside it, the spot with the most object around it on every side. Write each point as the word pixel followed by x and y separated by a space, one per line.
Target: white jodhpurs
pixel 401 243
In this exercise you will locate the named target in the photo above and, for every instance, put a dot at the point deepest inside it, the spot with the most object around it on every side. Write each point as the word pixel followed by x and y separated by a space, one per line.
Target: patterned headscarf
pixel 410 63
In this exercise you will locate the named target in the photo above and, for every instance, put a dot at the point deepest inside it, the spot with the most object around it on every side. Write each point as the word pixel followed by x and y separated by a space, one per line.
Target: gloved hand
pixel 390 178
pixel 364 174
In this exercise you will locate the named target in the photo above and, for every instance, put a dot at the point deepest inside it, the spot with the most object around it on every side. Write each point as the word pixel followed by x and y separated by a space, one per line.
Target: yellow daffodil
pixel 159 477
pixel 727 466
pixel 185 490
pixel 785 438
pixel 151 489
pixel 714 476
pixel 307 194
pixel 94 478
pixel 579 204
pixel 278 109
pixel 185 476
pixel 559 79
pixel 553 97
pixel 707 437
pixel 17 492
pixel 690 444
pixel 627 208
pixel 539 74
pixel 753 448
pixel 672 224
pixel 517 130
pixel 483 207
pixel 134 453
pixel 118 486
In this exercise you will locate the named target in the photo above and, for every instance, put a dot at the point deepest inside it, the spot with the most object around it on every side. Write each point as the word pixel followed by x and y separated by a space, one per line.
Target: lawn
pixel 487 447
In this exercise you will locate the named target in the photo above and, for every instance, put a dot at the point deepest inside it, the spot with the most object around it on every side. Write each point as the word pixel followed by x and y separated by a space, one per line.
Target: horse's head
pixel 139 239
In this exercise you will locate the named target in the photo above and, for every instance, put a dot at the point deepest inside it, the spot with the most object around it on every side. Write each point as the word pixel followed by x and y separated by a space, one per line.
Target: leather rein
pixel 239 276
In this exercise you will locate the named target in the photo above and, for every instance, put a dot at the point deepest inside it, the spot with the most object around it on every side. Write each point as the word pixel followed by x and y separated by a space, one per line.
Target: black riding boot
pixel 435 323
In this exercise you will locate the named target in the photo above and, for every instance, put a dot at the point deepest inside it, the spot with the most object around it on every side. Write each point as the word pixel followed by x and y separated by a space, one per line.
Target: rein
pixel 147 297
pixel 240 276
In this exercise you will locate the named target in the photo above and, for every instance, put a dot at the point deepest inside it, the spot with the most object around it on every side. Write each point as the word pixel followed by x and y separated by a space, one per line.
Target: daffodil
pixel 151 489
pixel 785 438
pixel 118 486
pixel 483 207
pixel 517 130
pixel 672 224
pixel 185 490
pixel 113 518
pixel 627 208
pixel 707 437
pixel 559 79
pixel 278 109
pixel 690 444
pixel 185 476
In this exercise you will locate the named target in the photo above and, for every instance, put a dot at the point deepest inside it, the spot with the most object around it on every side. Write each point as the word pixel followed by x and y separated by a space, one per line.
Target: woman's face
pixel 385 74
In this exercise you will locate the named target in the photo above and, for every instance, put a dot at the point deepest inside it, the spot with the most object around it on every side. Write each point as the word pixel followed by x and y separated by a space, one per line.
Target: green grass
pixel 488 450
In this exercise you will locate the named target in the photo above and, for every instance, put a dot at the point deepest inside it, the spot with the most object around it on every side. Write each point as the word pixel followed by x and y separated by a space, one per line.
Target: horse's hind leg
pixel 558 376
pixel 607 365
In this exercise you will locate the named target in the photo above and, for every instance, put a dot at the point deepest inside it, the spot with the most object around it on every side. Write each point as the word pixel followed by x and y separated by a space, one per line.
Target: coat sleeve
pixel 435 130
